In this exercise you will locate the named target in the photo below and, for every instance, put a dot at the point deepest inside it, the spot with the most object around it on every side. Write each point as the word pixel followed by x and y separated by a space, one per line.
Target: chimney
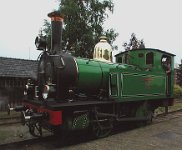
pixel 56 32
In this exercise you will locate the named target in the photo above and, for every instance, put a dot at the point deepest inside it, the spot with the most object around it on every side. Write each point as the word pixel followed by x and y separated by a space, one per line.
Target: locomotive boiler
pixel 77 93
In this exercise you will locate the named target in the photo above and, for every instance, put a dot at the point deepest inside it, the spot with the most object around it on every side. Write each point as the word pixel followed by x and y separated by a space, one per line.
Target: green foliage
pixel 47 31
pixel 83 25
pixel 177 91
pixel 134 43
pixel 179 74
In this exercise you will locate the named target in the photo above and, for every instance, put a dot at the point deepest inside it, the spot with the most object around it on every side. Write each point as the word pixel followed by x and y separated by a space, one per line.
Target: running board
pixel 132 119
pixel 105 115
pixel 122 119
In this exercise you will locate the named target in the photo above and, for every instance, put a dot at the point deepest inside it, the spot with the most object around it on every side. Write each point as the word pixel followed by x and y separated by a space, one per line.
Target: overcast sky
pixel 157 22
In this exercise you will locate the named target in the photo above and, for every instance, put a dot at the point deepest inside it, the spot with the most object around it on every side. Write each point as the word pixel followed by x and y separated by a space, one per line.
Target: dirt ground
pixel 164 134
pixel 13 133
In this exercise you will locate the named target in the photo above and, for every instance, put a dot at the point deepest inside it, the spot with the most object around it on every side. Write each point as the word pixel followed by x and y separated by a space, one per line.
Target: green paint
pixel 93 75
pixel 143 77
pixel 80 122
pixel 140 113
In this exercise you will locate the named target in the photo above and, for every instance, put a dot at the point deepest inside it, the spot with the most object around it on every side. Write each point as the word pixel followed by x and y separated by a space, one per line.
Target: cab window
pixel 150 58
pixel 166 62
pixel 120 60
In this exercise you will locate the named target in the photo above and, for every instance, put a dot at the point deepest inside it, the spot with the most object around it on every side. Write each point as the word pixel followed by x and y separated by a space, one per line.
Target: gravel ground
pixel 164 134
pixel 12 133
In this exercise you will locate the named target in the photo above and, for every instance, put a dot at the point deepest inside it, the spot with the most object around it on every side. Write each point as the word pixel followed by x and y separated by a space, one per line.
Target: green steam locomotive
pixel 77 93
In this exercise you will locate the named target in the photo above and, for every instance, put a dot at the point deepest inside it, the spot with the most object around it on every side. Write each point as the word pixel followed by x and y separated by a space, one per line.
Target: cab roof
pixel 147 49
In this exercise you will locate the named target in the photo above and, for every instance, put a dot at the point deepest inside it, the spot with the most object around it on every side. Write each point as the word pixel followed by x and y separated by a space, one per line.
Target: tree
pixel 134 43
pixel 83 25
pixel 177 91
pixel 179 74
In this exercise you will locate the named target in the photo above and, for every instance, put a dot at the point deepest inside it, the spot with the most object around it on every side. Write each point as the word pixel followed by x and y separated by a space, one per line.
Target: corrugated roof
pixel 20 68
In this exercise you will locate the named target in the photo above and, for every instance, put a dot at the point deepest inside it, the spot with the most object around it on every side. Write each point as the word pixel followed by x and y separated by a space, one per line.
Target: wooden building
pixel 14 74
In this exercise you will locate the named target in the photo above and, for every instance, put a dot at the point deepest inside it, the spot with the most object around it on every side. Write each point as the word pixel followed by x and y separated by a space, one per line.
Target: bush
pixel 177 91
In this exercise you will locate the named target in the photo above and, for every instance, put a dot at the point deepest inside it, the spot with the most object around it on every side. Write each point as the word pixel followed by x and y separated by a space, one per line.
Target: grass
pixel 177 106
pixel 12 114
pixel 4 134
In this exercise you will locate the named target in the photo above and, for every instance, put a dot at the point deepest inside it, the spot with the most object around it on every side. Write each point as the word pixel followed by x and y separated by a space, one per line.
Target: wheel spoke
pixel 102 129
pixel 35 129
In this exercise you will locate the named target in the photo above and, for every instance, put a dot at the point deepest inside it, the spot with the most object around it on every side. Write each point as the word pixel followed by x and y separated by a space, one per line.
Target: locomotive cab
pixel 150 72
pixel 148 58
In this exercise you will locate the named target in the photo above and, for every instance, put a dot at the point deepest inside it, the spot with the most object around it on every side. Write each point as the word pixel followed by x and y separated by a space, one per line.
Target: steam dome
pixel 103 50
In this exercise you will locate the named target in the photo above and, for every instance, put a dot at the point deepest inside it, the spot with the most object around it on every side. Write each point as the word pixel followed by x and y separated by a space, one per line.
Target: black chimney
pixel 56 32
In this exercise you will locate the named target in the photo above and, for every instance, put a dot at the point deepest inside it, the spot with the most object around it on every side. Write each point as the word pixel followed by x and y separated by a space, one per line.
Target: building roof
pixel 18 68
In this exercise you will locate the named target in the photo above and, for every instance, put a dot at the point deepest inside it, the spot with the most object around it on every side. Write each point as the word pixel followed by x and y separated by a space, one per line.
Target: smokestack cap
pixel 55 16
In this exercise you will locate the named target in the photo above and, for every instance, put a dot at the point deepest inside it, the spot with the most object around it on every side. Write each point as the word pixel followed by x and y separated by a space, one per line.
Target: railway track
pixel 9 120
pixel 169 116
pixel 53 140
pixel 26 143
pixel 16 119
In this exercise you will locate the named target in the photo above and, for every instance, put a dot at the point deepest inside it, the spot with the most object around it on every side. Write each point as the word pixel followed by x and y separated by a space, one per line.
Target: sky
pixel 157 22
